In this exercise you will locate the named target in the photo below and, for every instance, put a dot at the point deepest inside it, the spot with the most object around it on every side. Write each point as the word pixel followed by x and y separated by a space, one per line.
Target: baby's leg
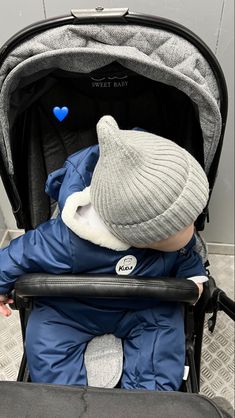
pixel 55 344
pixel 154 349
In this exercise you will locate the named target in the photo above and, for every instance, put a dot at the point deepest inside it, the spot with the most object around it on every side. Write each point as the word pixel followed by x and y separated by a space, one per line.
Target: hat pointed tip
pixel 107 132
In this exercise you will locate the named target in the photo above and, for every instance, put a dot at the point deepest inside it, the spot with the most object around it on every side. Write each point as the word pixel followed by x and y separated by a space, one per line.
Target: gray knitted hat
pixel 145 188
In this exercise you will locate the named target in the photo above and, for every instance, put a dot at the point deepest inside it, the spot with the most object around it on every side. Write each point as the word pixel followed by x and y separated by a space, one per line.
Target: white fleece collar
pixel 79 215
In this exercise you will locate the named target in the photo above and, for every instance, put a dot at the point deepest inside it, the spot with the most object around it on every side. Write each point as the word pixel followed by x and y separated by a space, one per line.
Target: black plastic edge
pixel 142 20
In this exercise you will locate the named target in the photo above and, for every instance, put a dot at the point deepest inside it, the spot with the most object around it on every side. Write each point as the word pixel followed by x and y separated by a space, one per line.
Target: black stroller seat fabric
pixel 172 94
pixel 133 100
pixel 54 87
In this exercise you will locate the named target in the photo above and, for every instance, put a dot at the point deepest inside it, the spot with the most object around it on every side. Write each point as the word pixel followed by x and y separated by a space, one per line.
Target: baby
pixel 127 206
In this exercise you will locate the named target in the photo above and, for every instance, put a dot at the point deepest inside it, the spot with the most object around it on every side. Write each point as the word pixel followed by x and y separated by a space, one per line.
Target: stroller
pixel 144 71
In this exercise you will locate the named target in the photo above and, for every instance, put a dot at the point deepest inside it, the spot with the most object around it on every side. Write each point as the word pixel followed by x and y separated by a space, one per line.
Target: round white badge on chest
pixel 126 265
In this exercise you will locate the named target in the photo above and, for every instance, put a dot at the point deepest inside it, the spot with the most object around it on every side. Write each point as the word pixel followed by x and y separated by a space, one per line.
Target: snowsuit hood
pixel 70 187
pixel 74 176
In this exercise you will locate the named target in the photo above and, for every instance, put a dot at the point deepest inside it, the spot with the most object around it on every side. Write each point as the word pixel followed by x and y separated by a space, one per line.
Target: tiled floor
pixel 217 372
pixel 217 377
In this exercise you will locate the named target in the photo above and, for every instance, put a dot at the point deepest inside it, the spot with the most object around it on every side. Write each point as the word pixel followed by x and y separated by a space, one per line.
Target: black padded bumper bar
pixel 57 401
pixel 170 289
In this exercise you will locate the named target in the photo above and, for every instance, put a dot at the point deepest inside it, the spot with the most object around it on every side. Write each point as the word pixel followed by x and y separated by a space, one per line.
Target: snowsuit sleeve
pixel 45 249
pixel 189 264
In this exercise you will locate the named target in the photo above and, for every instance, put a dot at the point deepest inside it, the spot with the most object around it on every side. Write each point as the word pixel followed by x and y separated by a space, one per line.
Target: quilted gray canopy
pixel 153 53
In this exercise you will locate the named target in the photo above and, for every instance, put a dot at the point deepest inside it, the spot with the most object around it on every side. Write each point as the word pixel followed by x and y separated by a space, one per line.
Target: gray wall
pixel 2 225
pixel 212 20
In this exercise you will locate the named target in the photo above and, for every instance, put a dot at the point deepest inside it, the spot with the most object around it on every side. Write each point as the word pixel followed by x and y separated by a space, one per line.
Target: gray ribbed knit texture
pixel 144 187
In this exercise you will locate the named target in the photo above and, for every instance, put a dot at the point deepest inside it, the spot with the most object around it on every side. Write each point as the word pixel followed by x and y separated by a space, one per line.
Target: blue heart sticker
pixel 60 112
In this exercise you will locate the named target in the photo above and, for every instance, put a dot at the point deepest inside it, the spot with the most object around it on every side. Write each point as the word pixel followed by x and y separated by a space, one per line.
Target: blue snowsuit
pixel 59 329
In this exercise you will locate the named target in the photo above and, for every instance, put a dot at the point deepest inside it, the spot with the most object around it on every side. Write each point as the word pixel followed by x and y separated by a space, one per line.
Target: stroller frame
pixel 213 299
pixel 122 16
